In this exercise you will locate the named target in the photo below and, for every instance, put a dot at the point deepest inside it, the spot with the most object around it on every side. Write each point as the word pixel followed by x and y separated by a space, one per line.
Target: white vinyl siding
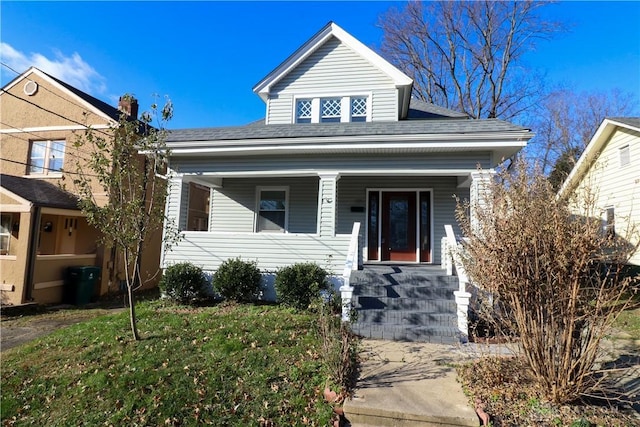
pixel 233 206
pixel 333 70
pixel 618 187
pixel 270 250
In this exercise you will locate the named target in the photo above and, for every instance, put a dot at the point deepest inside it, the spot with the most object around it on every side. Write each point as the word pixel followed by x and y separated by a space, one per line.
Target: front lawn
pixel 235 365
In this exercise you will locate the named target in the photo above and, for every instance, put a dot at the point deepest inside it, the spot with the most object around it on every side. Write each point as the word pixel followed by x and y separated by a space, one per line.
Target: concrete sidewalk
pixel 405 384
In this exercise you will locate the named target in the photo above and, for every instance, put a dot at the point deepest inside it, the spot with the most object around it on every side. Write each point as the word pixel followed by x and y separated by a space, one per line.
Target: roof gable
pixel 83 99
pixel 400 79
pixel 596 145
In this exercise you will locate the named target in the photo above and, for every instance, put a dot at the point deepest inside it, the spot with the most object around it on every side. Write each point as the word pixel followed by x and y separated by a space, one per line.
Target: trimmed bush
pixel 184 283
pixel 238 280
pixel 299 284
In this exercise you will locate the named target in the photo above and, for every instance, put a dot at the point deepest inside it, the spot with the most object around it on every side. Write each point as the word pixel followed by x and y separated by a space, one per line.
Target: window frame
pixel 624 155
pixel 45 169
pixel 193 214
pixel 259 191
pixel 7 233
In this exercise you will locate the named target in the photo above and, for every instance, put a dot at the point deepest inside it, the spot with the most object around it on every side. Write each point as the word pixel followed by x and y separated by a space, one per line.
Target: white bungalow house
pixel 609 170
pixel 344 158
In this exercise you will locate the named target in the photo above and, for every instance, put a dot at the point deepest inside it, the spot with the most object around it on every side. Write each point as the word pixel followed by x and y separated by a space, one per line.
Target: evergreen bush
pixel 184 283
pixel 299 284
pixel 238 280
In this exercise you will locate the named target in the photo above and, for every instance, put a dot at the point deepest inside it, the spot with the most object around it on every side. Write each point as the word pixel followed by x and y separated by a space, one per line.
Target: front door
pixel 399 226
pixel 398 242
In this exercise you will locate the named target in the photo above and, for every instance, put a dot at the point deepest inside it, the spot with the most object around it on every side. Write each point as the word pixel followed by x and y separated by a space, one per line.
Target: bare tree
pixel 565 123
pixel 125 165
pixel 558 280
pixel 468 55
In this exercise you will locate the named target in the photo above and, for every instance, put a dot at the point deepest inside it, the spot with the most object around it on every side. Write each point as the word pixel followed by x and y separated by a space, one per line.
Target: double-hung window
pixel 625 156
pixel 5 233
pixel 331 110
pixel 47 157
pixel 272 209
pixel 358 108
pixel 303 111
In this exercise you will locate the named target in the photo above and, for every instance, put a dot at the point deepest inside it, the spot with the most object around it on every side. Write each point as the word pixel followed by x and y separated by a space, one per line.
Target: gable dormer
pixel 334 78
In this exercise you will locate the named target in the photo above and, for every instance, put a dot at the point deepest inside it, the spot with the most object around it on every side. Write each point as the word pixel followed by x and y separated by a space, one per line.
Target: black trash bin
pixel 81 282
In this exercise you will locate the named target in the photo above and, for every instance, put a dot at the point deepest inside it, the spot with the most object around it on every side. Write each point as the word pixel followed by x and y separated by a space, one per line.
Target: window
pixel 5 233
pixel 303 111
pixel 625 155
pixel 609 222
pixel 272 210
pixel 332 109
pixel 46 157
pixel 198 215
pixel 358 109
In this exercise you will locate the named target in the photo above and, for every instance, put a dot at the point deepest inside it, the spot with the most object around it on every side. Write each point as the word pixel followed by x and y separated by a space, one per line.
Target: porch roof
pixel 39 192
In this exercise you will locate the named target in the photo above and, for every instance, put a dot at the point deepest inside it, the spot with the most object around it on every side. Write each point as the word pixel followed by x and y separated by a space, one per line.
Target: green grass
pixel 629 322
pixel 223 365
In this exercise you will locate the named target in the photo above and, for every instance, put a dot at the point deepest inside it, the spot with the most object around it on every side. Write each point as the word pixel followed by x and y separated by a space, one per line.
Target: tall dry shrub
pixel 555 276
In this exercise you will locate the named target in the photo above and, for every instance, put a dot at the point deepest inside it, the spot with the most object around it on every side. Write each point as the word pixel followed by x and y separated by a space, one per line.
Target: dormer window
pixel 335 109
pixel 359 109
pixel 331 110
pixel 303 111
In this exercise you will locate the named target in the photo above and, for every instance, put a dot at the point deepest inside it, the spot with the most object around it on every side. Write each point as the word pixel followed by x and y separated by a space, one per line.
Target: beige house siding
pixel 617 186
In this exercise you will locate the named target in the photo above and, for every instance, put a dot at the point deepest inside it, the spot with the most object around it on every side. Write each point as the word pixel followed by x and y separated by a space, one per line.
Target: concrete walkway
pixel 404 384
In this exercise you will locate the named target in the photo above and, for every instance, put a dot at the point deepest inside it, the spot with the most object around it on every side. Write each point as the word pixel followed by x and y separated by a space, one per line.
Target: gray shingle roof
pixel 419 109
pixel 631 121
pixel 406 127
pixel 39 192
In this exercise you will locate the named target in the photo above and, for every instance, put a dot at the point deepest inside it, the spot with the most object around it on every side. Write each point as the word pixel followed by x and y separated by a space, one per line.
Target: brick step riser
pixel 385 303
pixel 402 291
pixel 386 317
pixel 442 335
pixel 435 281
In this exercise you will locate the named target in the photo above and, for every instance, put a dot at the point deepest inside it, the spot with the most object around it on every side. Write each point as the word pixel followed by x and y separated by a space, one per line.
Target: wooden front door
pixel 398 237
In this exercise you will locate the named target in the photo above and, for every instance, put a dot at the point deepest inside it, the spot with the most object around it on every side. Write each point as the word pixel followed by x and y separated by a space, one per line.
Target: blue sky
pixel 207 56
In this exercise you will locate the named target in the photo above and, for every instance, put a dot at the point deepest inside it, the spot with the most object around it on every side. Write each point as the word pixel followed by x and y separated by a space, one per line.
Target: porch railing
pixel 351 263
pixel 451 251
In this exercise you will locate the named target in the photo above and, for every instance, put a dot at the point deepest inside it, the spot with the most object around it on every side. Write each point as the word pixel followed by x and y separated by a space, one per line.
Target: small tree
pixel 123 164
pixel 556 278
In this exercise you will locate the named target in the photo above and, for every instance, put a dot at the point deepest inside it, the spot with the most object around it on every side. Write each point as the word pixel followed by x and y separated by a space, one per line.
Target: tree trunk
pixel 132 313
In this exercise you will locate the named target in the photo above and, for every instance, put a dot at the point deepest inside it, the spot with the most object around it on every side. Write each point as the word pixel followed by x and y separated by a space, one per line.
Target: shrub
pixel 183 283
pixel 238 280
pixel 299 284
pixel 554 275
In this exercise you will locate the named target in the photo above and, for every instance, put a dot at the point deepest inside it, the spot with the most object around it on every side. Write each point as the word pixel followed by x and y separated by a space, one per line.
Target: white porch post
pixel 327 193
pixel 173 206
pixel 479 193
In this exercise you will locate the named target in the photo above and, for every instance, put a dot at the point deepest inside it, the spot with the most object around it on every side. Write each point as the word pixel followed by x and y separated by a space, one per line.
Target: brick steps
pixel 405 303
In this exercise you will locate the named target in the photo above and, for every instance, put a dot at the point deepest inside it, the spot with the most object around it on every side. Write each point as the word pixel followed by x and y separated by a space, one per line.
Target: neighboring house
pixel 609 169
pixel 342 143
pixel 42 229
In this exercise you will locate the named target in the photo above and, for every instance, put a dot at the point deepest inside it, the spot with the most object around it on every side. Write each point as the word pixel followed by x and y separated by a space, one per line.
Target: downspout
pixel 34 236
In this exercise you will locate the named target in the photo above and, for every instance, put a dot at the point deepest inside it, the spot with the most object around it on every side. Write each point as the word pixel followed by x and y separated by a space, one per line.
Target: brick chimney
pixel 128 105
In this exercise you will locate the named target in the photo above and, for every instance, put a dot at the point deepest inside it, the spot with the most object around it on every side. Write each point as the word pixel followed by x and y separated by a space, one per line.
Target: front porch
pixel 280 220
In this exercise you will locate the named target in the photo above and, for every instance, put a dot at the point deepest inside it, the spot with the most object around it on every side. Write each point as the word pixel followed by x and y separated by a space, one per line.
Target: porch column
pixel 176 194
pixel 327 193
pixel 479 193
